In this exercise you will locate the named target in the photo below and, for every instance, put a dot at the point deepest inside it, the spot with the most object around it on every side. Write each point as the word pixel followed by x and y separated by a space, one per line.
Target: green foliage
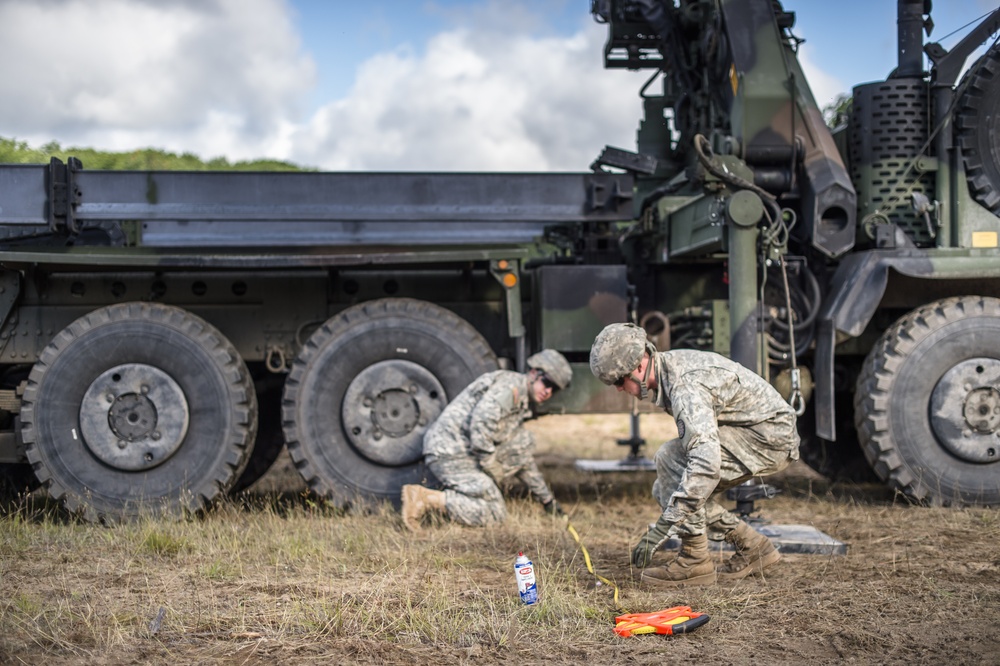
pixel 837 112
pixel 155 542
pixel 13 151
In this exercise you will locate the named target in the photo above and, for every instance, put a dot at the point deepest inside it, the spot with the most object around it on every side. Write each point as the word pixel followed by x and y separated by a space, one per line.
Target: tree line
pixel 13 151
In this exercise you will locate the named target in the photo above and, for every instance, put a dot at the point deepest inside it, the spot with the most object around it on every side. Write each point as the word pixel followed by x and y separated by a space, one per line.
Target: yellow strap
pixel 590 566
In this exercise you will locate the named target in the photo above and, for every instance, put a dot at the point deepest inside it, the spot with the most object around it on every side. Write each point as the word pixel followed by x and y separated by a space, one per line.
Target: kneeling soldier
pixel 479 440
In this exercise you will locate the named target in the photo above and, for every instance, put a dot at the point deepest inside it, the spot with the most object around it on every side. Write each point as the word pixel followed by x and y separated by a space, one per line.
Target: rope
pixel 590 566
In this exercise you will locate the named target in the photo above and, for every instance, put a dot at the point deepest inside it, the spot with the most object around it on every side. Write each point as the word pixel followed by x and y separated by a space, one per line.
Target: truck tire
pixel 138 409
pixel 16 480
pixel 927 404
pixel 270 438
pixel 365 387
pixel 978 126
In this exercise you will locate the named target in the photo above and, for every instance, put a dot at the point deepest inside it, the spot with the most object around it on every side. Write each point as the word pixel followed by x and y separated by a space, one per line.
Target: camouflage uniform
pixel 732 426
pixel 482 429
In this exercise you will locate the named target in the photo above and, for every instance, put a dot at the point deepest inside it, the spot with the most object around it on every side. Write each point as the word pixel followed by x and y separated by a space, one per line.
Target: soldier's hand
pixel 492 468
pixel 553 508
pixel 642 554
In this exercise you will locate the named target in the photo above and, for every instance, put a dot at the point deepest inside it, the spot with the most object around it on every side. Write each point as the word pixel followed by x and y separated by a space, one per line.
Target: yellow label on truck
pixel 984 239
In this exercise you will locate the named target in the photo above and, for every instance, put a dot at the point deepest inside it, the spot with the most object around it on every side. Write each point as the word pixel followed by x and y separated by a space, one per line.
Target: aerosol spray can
pixel 524 572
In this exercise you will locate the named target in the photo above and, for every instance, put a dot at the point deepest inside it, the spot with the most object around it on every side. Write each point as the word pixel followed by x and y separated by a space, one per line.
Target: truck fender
pixel 855 293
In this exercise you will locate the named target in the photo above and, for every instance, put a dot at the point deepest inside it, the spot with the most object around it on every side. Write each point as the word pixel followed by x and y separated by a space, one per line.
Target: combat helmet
pixel 554 365
pixel 617 351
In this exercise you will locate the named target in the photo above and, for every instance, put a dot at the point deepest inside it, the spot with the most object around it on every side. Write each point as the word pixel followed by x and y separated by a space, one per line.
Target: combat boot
pixel 754 553
pixel 417 501
pixel 693 566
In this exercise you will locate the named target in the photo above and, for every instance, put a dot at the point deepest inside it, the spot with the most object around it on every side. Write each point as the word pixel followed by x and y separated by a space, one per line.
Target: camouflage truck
pixel 164 334
pixel 857 268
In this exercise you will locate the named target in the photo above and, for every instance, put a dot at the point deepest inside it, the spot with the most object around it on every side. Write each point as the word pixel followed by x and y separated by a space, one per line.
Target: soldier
pixel 479 440
pixel 731 425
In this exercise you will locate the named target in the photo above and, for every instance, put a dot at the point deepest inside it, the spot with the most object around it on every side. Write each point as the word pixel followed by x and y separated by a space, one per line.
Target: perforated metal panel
pixel 889 127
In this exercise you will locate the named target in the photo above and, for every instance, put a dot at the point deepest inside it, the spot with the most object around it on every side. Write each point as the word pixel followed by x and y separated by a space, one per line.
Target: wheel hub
pixel 387 408
pixel 395 412
pixel 965 410
pixel 982 409
pixel 133 417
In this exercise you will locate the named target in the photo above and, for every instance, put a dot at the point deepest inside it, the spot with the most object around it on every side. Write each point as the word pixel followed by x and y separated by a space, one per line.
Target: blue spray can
pixel 524 572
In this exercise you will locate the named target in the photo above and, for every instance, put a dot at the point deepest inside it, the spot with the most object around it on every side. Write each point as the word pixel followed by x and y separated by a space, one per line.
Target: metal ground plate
pixel 799 539
pixel 804 539
pixel 624 465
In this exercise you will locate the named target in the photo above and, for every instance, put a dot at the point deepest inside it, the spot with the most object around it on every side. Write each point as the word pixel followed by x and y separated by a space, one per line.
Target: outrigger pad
pixel 804 539
pixel 798 539
pixel 637 464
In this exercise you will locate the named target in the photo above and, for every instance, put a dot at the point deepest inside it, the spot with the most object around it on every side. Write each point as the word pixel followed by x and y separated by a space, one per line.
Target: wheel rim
pixel 134 417
pixel 965 410
pixel 387 408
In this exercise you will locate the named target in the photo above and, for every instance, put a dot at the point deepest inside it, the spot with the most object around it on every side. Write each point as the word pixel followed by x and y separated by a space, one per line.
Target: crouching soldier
pixel 479 440
pixel 731 425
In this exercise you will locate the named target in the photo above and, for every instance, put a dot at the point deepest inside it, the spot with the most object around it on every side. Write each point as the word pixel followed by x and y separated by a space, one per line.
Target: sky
pixel 384 85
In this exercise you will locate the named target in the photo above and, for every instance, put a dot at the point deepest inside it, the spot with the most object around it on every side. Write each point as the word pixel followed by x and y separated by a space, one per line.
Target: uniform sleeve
pixel 528 470
pixel 695 415
pixel 487 420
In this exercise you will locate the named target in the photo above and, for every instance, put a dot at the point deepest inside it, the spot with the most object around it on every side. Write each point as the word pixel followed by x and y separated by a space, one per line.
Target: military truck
pixel 857 268
pixel 164 334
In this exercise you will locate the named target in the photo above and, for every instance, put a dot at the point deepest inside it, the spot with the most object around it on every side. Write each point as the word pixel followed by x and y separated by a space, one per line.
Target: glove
pixel 650 542
pixel 553 509
pixel 492 468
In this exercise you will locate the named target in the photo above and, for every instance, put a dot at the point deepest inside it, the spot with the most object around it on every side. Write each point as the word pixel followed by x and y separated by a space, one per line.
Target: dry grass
pixel 279 578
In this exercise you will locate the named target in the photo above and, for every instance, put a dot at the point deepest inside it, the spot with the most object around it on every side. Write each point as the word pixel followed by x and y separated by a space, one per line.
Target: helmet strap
pixel 643 385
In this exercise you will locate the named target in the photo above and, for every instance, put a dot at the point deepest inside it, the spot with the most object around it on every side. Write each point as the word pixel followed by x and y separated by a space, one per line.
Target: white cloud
pixel 211 77
pixel 229 77
pixel 490 99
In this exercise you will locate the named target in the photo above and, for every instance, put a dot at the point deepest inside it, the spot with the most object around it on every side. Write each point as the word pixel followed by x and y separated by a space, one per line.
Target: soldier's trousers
pixel 471 496
pixel 712 519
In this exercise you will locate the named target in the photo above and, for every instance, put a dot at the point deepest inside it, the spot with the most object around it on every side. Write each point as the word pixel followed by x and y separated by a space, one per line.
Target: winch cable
pixel 795 399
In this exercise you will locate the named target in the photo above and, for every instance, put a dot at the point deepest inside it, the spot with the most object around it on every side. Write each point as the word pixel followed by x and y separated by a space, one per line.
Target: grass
pixel 282 578
pixel 297 579
pixel 289 575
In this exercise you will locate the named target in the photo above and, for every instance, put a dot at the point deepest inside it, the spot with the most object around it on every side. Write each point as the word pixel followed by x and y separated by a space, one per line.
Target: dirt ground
pixel 275 578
